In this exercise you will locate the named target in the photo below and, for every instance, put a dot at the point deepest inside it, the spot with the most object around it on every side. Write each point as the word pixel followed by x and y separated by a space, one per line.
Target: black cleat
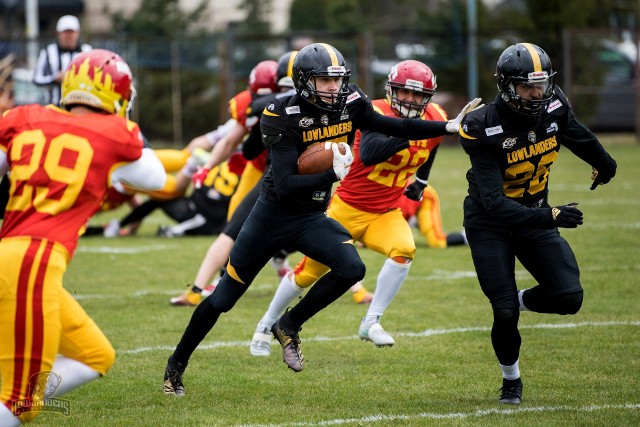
pixel 511 392
pixel 173 378
pixel 290 342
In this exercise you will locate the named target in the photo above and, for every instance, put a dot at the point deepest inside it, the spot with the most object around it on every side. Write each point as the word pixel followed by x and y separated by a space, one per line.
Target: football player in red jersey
pixel 367 202
pixel 61 164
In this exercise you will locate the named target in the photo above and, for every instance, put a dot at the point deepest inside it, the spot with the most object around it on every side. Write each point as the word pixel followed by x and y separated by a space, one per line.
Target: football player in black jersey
pixel 512 143
pixel 290 209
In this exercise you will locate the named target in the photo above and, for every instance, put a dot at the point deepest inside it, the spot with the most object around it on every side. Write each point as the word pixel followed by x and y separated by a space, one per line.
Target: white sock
pixel 522 306
pixel 7 419
pixel 287 291
pixel 179 229
pixel 390 279
pixel 72 374
pixel 355 288
pixel 510 372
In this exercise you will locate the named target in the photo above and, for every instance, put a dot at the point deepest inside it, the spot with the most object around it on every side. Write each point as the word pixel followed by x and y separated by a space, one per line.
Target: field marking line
pixel 370 419
pixel 425 333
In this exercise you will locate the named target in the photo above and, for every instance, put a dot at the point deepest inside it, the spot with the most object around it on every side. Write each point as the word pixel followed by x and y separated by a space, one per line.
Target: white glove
pixel 454 125
pixel 341 162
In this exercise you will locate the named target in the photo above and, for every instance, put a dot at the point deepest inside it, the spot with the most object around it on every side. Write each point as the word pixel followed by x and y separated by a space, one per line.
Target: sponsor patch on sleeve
pixel 494 130
pixel 353 97
pixel 554 105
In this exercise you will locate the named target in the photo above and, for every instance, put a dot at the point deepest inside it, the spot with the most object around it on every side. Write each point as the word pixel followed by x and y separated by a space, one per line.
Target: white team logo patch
pixel 318 195
pixel 305 122
pixel 531 136
pixel 293 110
pixel 553 127
pixel 324 120
pixel 554 105
pixel 353 97
pixel 508 143
pixel 494 130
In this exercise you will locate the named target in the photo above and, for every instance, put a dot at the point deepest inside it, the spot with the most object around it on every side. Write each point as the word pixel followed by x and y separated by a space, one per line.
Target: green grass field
pixel 577 370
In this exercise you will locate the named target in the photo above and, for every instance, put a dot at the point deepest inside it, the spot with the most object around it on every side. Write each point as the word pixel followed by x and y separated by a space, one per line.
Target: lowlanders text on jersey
pixel 532 150
pixel 323 133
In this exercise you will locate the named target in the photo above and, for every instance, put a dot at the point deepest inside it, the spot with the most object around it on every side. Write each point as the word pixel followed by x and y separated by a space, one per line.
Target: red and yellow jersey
pixel 60 167
pixel 379 188
pixel 238 106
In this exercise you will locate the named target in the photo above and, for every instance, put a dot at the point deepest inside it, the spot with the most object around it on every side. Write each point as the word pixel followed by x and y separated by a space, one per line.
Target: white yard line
pixel 426 333
pixel 370 419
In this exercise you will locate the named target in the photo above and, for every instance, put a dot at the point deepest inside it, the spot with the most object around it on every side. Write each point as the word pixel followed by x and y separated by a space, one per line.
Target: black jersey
pixel 511 157
pixel 252 146
pixel 290 124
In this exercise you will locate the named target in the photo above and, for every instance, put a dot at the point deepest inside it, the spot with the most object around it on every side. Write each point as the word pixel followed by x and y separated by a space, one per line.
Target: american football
pixel 315 159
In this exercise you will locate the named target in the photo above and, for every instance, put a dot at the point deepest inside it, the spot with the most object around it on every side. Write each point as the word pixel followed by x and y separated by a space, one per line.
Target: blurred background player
pixel 202 212
pixel 54 59
pixel 367 202
pixel 425 215
pixel 74 156
pixel 263 81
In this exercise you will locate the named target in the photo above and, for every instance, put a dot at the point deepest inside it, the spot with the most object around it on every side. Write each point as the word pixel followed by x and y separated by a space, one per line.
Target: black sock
pixel 203 319
pixel 328 289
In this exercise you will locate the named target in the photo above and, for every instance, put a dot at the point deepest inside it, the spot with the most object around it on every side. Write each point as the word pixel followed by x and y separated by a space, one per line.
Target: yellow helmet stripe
pixel 332 53
pixel 290 64
pixel 537 65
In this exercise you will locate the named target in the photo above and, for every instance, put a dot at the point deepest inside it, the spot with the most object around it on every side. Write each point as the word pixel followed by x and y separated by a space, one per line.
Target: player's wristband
pixel 421 181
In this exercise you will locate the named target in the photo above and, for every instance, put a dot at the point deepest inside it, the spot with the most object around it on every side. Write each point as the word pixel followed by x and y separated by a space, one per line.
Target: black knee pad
pixel 569 303
pixel 506 316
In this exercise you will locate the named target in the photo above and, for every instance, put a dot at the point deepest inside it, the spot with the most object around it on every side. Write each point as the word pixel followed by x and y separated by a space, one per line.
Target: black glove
pixel 414 190
pixel 604 175
pixel 567 216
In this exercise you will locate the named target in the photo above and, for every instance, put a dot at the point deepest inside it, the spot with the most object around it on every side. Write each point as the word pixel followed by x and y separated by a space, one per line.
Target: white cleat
pixel 261 343
pixel 373 332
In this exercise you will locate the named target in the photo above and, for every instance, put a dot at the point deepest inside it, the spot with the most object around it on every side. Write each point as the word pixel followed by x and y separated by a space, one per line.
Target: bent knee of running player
pixel 342 257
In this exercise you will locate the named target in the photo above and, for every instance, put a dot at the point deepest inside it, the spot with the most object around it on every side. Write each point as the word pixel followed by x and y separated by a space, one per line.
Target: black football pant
pixel 270 227
pixel 551 262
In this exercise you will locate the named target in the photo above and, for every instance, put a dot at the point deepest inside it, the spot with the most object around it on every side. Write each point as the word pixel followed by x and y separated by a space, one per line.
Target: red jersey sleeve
pixel 238 106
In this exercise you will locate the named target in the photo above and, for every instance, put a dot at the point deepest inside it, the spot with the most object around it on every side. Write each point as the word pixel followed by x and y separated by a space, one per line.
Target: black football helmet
pixel 525 63
pixel 285 69
pixel 318 60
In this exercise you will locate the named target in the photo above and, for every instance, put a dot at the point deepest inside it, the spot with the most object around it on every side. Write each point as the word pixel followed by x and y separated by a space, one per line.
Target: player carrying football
pixel 290 209
pixel 367 202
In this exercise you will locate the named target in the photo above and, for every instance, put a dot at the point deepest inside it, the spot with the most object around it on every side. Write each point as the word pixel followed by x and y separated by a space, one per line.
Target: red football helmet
pixel 414 76
pixel 262 79
pixel 100 79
